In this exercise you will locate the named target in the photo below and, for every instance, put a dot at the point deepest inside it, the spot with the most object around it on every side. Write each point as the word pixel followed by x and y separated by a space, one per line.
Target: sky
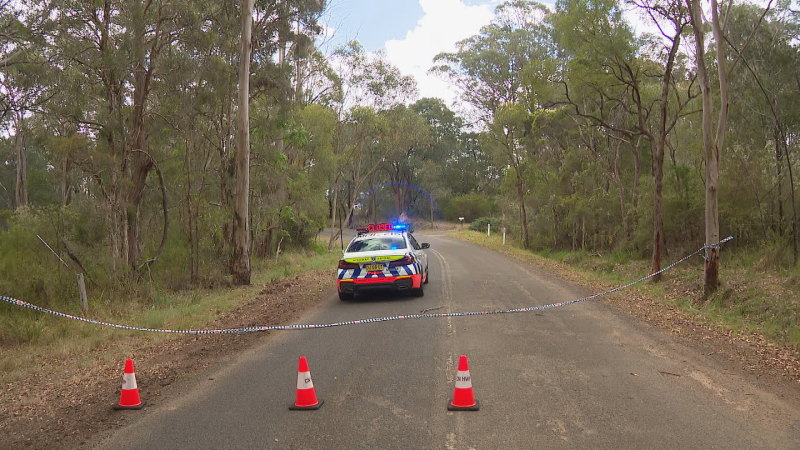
pixel 409 32
pixel 412 32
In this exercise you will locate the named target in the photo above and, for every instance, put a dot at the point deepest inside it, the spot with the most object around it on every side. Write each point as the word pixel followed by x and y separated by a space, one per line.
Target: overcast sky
pixel 412 32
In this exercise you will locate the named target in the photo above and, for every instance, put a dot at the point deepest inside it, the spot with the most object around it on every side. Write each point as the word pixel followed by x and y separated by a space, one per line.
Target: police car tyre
pixel 427 278
pixel 345 296
pixel 419 292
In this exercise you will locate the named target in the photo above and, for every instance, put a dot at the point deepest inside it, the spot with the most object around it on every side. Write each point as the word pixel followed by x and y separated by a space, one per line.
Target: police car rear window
pixel 377 243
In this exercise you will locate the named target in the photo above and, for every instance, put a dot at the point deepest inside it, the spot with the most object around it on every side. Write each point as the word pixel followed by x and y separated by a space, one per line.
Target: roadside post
pixel 82 291
pixel 504 235
pixel 488 229
pixel 461 220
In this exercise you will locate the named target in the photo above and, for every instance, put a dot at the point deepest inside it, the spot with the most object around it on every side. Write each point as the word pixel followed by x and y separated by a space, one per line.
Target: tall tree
pixel 712 142
pixel 488 69
pixel 671 19
pixel 240 266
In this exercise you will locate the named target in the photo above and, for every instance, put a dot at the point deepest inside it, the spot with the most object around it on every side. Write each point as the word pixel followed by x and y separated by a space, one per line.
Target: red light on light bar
pixel 374 227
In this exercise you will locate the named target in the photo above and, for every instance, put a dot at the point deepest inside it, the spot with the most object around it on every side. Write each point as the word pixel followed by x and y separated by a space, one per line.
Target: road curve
pixel 579 376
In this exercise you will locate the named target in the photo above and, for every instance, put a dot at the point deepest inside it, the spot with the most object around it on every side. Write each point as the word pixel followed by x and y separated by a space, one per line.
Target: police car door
pixel 419 254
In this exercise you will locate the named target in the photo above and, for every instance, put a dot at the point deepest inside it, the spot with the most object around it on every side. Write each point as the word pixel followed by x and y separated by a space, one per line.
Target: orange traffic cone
pixel 306 395
pixel 463 397
pixel 129 395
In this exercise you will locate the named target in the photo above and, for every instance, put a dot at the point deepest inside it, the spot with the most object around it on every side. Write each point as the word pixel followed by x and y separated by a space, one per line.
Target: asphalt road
pixel 574 377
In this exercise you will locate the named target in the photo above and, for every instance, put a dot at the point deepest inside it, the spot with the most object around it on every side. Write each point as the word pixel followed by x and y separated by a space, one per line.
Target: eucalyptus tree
pixel 671 19
pixel 604 85
pixel 240 263
pixel 406 145
pixel 367 85
pixel 764 112
pixel 710 144
pixel 631 88
pixel 23 86
pixel 456 164
pixel 488 69
pixel 117 48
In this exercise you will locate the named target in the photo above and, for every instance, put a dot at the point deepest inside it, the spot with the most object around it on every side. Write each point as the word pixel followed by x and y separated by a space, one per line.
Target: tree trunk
pixel 712 144
pixel 782 137
pixel 240 267
pixel 137 162
pixel 21 190
pixel 64 182
pixel 658 158
pixel 779 186
pixel 523 213
pixel 334 210
pixel 712 158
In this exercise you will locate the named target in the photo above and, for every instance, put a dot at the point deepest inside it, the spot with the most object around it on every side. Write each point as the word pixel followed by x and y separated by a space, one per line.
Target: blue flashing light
pixel 400 227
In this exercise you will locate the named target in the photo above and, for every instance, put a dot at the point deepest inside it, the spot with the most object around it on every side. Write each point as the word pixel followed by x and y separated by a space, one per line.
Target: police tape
pixel 365 321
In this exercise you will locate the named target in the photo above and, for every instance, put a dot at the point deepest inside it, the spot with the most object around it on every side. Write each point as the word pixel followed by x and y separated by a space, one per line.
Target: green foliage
pixel 481 224
pixel 28 270
pixel 469 206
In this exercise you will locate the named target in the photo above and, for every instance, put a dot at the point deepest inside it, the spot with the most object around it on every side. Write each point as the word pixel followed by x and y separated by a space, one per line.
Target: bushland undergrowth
pixel 26 335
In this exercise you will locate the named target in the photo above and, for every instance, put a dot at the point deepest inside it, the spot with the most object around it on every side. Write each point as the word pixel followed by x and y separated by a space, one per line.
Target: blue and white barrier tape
pixel 360 321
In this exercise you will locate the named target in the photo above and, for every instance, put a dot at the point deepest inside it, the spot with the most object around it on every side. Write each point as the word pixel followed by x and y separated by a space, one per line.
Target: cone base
pixel 452 407
pixel 120 407
pixel 304 408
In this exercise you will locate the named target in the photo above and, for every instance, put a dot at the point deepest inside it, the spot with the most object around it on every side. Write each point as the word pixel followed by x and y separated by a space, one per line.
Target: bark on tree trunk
pixel 792 192
pixel 240 267
pixel 137 163
pixel 21 190
pixel 523 214
pixel 712 159
pixel 658 157
pixel 711 143
pixel 334 210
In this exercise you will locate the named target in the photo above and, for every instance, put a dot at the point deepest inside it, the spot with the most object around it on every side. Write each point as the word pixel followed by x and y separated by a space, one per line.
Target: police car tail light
pixel 346 265
pixel 403 262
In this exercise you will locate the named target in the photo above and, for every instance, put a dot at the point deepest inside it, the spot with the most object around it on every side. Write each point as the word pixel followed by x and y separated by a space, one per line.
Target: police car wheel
pixel 345 296
pixel 426 276
pixel 419 292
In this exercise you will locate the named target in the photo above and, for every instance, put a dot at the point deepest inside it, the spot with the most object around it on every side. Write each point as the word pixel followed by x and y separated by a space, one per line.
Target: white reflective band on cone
pixel 304 380
pixel 128 381
pixel 463 380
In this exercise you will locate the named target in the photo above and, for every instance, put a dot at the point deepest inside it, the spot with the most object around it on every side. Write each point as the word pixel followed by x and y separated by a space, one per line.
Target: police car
pixel 383 256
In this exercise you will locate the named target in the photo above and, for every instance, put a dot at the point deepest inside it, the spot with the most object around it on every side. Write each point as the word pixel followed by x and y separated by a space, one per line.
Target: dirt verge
pixel 752 351
pixel 61 406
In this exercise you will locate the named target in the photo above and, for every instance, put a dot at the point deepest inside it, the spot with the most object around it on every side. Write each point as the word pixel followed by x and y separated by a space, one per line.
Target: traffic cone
pixel 463 397
pixel 306 395
pixel 129 395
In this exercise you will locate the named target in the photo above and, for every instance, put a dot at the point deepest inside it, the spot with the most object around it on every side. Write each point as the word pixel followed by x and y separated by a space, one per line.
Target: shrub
pixel 469 206
pixel 481 223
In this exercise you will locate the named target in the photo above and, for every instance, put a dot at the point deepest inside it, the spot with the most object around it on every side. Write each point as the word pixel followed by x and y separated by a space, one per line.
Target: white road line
pixel 452 439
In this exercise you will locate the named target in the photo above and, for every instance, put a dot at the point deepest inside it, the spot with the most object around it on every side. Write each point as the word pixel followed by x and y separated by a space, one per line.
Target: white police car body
pixel 383 256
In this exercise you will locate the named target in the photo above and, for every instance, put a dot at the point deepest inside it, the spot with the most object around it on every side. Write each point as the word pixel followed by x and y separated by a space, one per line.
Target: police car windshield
pixel 372 244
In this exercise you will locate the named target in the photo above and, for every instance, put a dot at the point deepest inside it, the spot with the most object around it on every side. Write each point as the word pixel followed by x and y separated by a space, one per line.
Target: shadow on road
pixel 377 296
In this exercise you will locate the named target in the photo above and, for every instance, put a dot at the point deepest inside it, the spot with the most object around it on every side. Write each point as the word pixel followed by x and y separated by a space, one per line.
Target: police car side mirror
pixel 425 245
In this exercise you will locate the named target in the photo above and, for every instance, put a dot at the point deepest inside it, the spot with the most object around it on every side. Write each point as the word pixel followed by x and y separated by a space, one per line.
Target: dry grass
pixel 748 300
